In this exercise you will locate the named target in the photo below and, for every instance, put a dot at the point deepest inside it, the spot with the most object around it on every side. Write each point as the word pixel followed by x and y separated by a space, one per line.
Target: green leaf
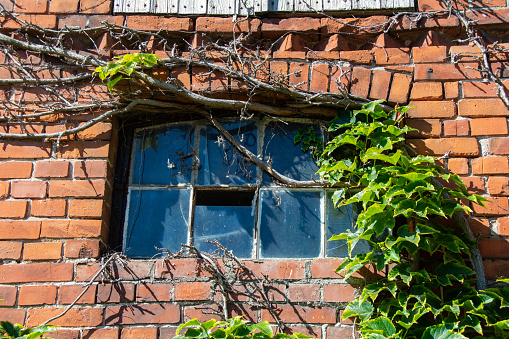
pixel 402 270
pixel 380 325
pixel 441 332
pixel 405 207
pixel 263 327
pixel 193 322
pixel 113 82
pixel 452 270
pixel 363 310
pixel 469 320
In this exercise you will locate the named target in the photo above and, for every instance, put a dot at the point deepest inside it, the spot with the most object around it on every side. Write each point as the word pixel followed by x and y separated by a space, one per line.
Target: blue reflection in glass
pixel 232 226
pixel 288 158
pixel 156 218
pixel 163 156
pixel 338 221
pixel 290 225
pixel 219 161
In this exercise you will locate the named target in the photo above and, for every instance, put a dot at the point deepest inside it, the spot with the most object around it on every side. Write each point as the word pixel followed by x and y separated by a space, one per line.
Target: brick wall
pixel 55 201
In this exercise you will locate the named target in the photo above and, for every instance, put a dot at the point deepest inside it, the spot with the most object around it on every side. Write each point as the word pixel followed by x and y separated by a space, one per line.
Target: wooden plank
pixel 337 5
pixel 128 6
pixel 118 6
pixel 366 4
pixel 280 5
pixel 245 7
pixel 142 6
pixel 221 7
pixel 397 4
pixel 308 5
pixel 260 5
pixel 192 7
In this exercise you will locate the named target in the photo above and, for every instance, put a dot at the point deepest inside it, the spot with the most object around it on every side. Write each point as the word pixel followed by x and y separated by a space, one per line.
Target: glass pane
pixel 163 156
pixel 156 218
pixel 338 221
pixel 232 226
pixel 286 157
pixel 290 225
pixel 219 161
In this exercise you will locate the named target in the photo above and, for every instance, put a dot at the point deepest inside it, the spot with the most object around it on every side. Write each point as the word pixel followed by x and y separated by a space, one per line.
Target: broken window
pixel 188 185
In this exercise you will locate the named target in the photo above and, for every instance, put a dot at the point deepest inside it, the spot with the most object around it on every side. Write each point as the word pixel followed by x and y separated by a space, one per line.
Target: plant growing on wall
pixel 420 284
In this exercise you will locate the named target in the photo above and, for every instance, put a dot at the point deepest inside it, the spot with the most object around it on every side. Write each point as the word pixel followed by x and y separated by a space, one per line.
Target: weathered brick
pixel 306 24
pixel 339 293
pixel 29 189
pixel 77 188
pixel 325 268
pixel 427 91
pixel 205 313
pixel 340 79
pixel 10 250
pixel 20 229
pixel 446 72
pixel 15 170
pixel 75 317
pixel 36 272
pixel 8 294
pixel 400 88
pixel 456 128
pixel 95 7
pixel 71 228
pixel 31 6
pixel 167 332
pixel 458 166
pixel 498 186
pixel 142 314
pixel 451 90
pixel 299 75
pixel 474 184
pixel 361 79
pixel 147 292
pixel 82 248
pixel 51 169
pixel 67 294
pixel 192 291
pixel 340 332
pixel 225 25
pixel 115 293
pixel 24 150
pixel 494 248
pixel 490 165
pixel 319 78
pixel 432 109
pixel 488 126
pixel 479 89
pixel 480 227
pixel 99 131
pixel 155 23
pixel 63 6
pixel 48 208
pixel 496 269
pixel 503 227
pixel 462 147
pixel 179 268
pixel 84 149
pixel 359 57
pixel 499 146
pixel 295 314
pixel 288 269
pixel 86 208
pixel 429 54
pixel 4 189
pixel 42 251
pixel 140 332
pixel 304 292
pixel 101 333
pixel 380 85
pixel 425 127
pixel 64 334
pixel 14 209
pixel 41 20
pixel 16 316
pixel 392 56
pixel 482 108
pixel 496 206
pixel 37 295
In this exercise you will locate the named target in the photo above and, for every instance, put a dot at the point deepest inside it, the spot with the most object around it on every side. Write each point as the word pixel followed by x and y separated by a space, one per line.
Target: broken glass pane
pixel 220 163
pixel 290 225
pixel 286 157
pixel 156 218
pixel 163 156
pixel 339 220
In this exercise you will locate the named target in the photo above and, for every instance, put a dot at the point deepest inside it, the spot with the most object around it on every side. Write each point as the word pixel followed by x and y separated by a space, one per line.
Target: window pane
pixel 338 221
pixel 163 156
pixel 290 225
pixel 219 161
pixel 156 218
pixel 286 157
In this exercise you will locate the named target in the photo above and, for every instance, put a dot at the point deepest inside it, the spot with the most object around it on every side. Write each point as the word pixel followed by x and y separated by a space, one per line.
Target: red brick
pixel 142 314
pixel 67 294
pixel 4 189
pixel 392 56
pixel 15 170
pixel 451 90
pixel 494 248
pixel 503 227
pixel 427 91
pixel 295 314
pixel 341 332
pixel 400 88
pixel 51 169
pixel 380 85
pixel 136 270
pixel 429 54
pixel 99 131
pixel 496 206
pixel 496 269
pixel 304 292
pixel 155 23
pixel 115 293
pixel 499 146
pixel 490 165
pixel 86 208
pixel 432 109
pixel 77 188
pixel 480 227
pixel 339 293
pixel 167 332
pixel 14 209
pixel 456 128
pixel 95 7
pixel 446 72
pixel 90 21
pixel 37 295
pixel 8 294
pixel 482 108
pixel 25 128
pixel 192 291
pixel 147 292
pixel 71 228
pixel 276 269
pixel 75 317
pixel 15 316
pixel 63 334
pixel 140 332
pixel 498 186
pixel 474 184
pixel 299 75
pixel 31 6
pixel 179 268
pixel 204 313
pixel 458 147
pixel 425 127
pixel 42 251
pixel 82 248
pixel 84 149
pixel 36 272
pixel 225 25
pixel 359 57
pixel 373 24
pixel 361 79
pixel 289 54
pixel 479 89
pixel 24 150
pixel 10 250
pixel 488 126
pixel 319 78
pixel 101 333
pixel 458 165
pixel 200 79
pixel 41 20
pixel 63 6
pixel 340 79
pixel 22 229
pixel 311 331
pixel 29 189
pixel 181 76
pixel 48 208
pixel 290 24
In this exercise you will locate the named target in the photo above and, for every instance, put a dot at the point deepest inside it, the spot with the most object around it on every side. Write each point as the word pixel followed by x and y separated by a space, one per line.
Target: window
pixel 187 185
pixel 244 7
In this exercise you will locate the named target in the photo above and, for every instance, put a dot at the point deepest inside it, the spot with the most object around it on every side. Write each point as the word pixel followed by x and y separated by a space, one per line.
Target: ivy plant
pixel 9 330
pixel 421 284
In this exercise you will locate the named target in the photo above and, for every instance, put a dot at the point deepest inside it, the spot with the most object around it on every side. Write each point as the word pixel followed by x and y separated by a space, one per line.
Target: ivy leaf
pixel 338 195
pixel 110 84
pixel 469 320
pixel 372 290
pixel 441 332
pixel 263 327
pixel 380 325
pixel 405 207
pixel 401 270
pixel 356 308
pixel 452 270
